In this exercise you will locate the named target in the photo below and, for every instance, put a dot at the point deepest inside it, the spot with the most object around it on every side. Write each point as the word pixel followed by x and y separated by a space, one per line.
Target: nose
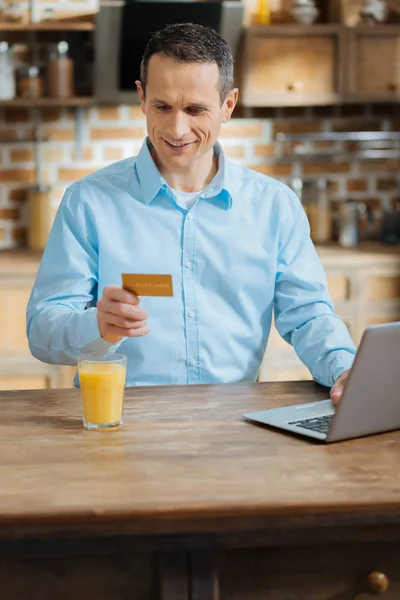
pixel 179 125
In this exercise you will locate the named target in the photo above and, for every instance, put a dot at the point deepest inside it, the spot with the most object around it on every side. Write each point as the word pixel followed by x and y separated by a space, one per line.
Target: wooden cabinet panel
pixel 276 339
pixel 374 61
pixel 280 361
pixel 339 287
pixel 282 67
pixel 383 288
pixel 292 65
pixel 383 319
pixel 67 375
pixel 310 573
pixel 300 373
pixel 24 383
pixel 78 578
pixel 18 369
pixel 13 301
pixel 377 64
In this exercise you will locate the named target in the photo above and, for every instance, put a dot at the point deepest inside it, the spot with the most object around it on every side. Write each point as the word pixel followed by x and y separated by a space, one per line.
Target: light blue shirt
pixel 242 252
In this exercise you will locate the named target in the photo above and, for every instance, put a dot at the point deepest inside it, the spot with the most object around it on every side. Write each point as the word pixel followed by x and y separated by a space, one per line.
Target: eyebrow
pixel 189 105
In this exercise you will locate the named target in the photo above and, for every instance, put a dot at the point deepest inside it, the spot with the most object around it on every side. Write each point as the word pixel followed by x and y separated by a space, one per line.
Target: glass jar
pixel 7 75
pixel 30 82
pixel 60 72
pixel 16 12
pixel 317 207
pixel 348 225
pixel 40 216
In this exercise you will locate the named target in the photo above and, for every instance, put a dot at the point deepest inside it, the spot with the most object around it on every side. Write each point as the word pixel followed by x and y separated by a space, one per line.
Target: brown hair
pixel 191 43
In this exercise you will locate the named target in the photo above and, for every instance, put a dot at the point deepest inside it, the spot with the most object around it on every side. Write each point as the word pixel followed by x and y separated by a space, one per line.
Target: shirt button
pixel 191 313
pixel 193 362
pixel 190 217
pixel 188 264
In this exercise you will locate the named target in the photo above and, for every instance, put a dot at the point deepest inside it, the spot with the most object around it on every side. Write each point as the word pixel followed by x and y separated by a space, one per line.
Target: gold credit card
pixel 148 285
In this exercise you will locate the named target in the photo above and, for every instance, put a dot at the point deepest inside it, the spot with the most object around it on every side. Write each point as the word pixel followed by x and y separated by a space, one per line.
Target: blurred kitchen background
pixel 319 109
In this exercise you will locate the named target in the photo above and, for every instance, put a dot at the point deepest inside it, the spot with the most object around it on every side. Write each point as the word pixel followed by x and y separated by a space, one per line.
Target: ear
pixel 142 98
pixel 229 104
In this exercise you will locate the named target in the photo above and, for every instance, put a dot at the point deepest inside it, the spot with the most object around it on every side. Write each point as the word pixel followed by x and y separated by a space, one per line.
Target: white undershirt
pixel 186 199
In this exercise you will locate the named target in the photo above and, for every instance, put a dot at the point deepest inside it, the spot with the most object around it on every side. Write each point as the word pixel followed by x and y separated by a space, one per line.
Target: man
pixel 235 242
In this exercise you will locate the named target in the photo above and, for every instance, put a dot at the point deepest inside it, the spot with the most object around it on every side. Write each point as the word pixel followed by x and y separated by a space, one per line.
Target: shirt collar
pixel 150 178
pixel 151 181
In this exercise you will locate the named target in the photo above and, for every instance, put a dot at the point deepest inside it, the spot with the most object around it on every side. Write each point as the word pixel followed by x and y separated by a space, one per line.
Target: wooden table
pixel 188 501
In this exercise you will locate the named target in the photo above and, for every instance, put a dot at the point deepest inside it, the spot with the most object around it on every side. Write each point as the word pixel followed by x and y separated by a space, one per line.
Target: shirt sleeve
pixel 304 314
pixel 61 318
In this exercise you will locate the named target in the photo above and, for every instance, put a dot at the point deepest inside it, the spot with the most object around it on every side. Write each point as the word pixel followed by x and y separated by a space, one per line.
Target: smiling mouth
pixel 179 146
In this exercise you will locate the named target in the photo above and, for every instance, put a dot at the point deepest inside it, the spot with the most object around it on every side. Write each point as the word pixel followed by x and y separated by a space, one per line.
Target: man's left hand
pixel 338 387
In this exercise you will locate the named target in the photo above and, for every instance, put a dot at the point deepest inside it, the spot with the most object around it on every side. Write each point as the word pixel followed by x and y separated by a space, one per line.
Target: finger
pixel 114 331
pixel 112 319
pixel 336 392
pixel 138 332
pixel 126 311
pixel 118 294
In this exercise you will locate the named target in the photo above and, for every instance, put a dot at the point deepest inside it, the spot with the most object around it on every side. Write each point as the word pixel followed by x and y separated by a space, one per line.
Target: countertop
pixel 184 461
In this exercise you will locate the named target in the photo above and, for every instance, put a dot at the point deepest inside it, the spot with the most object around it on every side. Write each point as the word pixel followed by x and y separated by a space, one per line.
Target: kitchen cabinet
pixel 300 65
pixel 365 288
pixel 311 572
pixel 18 368
pixel 373 71
pixel 292 65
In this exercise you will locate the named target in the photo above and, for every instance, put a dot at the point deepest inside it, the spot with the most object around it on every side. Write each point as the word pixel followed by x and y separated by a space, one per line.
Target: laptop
pixel 371 399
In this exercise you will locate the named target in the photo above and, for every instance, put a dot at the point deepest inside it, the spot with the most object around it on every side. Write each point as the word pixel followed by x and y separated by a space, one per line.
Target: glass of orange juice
pixel 102 380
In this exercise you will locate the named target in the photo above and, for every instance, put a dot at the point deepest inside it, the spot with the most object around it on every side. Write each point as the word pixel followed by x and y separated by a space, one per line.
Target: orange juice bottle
pixel 263 13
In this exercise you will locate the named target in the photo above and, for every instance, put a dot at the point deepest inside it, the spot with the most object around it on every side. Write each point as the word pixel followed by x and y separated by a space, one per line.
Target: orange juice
pixel 102 389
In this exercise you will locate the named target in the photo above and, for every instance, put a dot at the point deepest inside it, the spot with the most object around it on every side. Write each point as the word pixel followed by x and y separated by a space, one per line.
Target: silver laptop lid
pixel 371 400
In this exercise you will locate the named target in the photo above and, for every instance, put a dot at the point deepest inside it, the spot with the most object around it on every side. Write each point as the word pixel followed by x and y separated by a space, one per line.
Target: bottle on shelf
pixel 316 204
pixel 40 216
pixel 348 225
pixel 304 11
pixel 30 81
pixel 7 73
pixel 60 72
pixel 263 12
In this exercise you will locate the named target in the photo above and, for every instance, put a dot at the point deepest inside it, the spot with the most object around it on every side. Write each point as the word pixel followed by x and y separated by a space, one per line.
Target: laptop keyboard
pixel 320 424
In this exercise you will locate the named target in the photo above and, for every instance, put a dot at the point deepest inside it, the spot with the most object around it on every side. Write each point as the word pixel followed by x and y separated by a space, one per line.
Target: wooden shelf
pixel 31 140
pixel 294 29
pixel 76 101
pixel 48 26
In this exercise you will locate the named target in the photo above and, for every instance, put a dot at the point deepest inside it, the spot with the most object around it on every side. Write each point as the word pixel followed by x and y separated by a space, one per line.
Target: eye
pixel 162 107
pixel 195 111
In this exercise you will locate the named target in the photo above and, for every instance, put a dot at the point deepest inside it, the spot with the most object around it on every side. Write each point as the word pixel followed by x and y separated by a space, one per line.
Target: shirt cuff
pixel 332 366
pixel 91 340
pixel 343 363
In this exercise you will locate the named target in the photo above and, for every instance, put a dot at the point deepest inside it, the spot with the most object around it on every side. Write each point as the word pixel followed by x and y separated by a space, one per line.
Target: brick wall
pixel 113 133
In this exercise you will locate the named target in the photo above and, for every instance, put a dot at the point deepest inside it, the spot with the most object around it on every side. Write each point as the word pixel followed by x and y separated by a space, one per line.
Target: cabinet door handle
pixel 295 86
pixel 377 582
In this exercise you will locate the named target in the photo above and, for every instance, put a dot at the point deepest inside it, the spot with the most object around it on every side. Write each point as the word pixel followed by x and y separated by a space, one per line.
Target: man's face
pixel 183 109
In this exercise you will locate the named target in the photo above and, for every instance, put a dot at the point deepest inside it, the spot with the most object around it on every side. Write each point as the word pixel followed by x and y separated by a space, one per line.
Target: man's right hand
pixel 119 315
